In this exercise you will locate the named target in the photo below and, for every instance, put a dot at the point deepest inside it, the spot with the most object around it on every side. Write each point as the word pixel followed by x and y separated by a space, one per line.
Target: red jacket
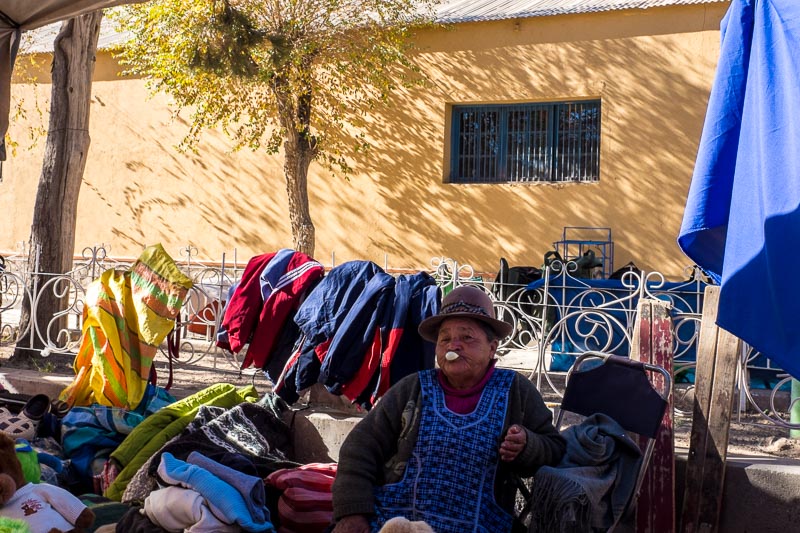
pixel 248 318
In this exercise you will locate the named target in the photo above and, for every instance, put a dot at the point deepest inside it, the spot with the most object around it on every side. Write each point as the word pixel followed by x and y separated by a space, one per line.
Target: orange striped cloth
pixel 126 316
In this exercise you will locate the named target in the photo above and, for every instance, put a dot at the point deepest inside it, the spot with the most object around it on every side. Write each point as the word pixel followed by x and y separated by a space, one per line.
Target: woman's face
pixel 466 337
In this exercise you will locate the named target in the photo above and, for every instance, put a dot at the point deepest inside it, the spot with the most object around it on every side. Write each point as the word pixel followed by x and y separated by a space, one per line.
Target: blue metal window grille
pixel 557 142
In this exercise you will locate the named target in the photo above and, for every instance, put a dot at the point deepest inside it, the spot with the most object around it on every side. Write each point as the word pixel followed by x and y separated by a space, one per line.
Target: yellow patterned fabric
pixel 126 316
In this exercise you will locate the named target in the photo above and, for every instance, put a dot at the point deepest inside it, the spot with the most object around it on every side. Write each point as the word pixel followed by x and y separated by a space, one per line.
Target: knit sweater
pixel 377 449
pixel 44 507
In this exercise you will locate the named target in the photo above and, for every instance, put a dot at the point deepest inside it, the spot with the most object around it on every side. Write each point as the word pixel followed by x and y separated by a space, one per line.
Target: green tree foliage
pixel 297 74
pixel 27 67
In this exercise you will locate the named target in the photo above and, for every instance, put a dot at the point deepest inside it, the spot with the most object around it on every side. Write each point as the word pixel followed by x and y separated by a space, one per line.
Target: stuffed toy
pixel 45 508
pixel 398 524
pixel 29 461
pixel 9 525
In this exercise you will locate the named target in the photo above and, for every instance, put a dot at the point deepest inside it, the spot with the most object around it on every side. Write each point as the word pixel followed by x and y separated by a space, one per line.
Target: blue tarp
pixel 742 222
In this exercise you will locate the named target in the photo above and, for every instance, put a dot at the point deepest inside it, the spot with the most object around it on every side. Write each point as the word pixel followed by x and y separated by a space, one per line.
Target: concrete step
pixel 32 382
pixel 760 494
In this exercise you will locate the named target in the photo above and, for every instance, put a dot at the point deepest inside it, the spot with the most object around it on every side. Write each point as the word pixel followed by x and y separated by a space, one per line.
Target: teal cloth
pixel 591 486
pixel 89 433
pixel 250 487
pixel 224 500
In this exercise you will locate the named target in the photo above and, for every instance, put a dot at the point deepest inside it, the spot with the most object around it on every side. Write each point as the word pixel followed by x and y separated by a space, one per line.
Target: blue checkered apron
pixel 449 479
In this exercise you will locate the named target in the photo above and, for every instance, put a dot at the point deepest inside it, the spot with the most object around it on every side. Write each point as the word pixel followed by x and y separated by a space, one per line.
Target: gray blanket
pixel 589 488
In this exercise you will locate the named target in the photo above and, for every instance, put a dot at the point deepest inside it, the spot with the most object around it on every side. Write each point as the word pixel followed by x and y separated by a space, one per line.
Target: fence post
pixel 545 332
pixel 715 379
pixel 652 343
pixel 34 296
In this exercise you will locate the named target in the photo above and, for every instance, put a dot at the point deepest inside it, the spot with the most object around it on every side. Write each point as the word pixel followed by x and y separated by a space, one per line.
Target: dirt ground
pixel 749 435
pixel 56 363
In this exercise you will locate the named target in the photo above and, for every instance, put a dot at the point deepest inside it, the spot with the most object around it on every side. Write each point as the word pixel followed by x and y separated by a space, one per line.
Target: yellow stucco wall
pixel 652 70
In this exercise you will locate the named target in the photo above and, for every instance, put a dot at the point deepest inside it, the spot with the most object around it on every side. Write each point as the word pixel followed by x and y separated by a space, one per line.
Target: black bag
pixel 629 267
pixel 511 279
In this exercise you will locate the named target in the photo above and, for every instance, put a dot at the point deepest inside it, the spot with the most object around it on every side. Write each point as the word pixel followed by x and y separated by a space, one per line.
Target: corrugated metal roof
pixel 41 39
pixel 471 11
pixel 448 11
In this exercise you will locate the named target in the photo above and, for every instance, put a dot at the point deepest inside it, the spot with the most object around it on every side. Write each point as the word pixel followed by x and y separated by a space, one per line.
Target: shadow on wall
pixel 652 70
pixel 654 90
pixel 216 198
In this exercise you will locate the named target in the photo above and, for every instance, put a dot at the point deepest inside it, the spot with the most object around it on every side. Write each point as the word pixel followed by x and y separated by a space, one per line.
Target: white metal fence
pixel 555 319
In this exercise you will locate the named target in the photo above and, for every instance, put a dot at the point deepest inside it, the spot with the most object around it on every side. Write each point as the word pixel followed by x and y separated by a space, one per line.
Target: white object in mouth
pixel 451 356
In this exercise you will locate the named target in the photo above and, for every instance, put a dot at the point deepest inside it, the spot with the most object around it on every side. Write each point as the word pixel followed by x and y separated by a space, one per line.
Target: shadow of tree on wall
pixel 652 70
pixel 214 198
pixel 654 90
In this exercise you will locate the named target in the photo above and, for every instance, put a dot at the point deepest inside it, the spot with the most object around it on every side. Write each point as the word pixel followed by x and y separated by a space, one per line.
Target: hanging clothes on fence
pixel 126 316
pixel 416 297
pixel 388 359
pixel 354 353
pixel 353 326
pixel 261 309
pixel 320 317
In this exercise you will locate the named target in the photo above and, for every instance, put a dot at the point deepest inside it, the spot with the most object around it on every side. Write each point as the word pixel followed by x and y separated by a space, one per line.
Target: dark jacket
pixel 416 297
pixel 324 315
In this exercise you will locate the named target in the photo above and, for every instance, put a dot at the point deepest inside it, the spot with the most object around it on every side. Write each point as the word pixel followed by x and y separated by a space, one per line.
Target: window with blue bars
pixel 519 143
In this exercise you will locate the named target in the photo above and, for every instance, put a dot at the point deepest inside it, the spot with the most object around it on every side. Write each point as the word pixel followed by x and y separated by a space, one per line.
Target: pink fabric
pixel 464 401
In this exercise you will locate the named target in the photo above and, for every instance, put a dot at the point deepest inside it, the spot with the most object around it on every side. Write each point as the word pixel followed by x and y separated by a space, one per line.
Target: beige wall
pixel 652 69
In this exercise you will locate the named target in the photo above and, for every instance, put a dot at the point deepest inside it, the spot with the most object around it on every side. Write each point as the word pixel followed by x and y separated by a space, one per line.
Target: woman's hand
pixel 515 441
pixel 355 523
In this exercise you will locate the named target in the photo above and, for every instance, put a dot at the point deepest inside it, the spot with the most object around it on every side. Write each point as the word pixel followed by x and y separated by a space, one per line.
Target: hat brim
pixel 429 328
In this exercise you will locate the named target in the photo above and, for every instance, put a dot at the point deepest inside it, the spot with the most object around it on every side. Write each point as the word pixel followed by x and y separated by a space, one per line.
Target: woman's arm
pixel 543 444
pixel 368 446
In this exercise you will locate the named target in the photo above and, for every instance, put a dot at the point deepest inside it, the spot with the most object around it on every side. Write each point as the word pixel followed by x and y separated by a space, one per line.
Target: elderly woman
pixel 441 445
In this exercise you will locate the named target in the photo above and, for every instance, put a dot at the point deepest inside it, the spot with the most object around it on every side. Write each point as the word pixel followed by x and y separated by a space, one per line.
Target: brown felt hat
pixel 464 302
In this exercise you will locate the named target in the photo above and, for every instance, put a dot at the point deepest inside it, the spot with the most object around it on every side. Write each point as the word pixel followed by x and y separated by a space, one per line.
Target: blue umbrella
pixel 742 221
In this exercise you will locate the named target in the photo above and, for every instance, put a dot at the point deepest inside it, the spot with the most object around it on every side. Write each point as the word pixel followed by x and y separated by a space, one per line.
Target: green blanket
pixel 149 436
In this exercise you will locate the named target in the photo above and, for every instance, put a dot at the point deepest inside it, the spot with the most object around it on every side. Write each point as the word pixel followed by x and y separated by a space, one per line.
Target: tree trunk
pixel 300 150
pixel 297 160
pixel 54 216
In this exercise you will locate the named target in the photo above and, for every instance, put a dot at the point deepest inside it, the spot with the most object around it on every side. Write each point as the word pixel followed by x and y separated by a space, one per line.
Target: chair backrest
pixel 618 387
